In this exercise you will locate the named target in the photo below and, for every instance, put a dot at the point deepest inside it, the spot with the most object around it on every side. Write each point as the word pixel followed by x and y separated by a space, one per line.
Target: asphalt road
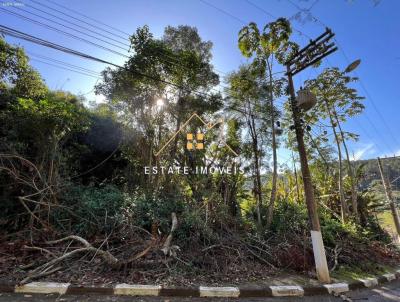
pixel 388 292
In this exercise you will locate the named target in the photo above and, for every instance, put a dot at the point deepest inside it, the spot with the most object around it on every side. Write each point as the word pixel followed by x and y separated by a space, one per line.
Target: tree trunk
pixel 389 197
pixel 354 201
pixel 296 179
pixel 270 213
pixel 343 204
pixel 256 157
pixel 232 194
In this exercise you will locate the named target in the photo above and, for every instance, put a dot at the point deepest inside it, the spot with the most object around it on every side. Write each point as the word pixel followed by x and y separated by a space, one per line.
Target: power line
pixel 260 9
pixel 61 31
pixel 77 19
pixel 24 36
pixel 162 54
pixel 172 60
pixel 175 60
pixel 223 11
pixel 86 16
pixel 302 33
pixel 76 37
pixel 63 63
pixel 79 38
pixel 65 68
pixel 372 101
pixel 37 22
pixel 360 81
pixel 27 37
pixel 275 17
pixel 75 24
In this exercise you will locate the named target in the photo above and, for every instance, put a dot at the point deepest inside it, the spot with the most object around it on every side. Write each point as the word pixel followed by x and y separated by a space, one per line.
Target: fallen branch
pixel 109 259
pixel 337 251
pixel 107 256
pixel 38 272
pixel 260 258
pixel 223 247
pixel 167 249
pixel 41 274
pixel 35 248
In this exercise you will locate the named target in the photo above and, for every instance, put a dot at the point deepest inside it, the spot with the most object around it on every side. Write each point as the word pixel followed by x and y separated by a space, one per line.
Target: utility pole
pixel 309 55
pixel 389 196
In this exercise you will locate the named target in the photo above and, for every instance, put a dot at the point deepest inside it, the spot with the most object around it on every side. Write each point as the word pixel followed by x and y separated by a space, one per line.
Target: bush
pixel 334 231
pixel 149 210
pixel 95 209
pixel 289 218
pixel 373 231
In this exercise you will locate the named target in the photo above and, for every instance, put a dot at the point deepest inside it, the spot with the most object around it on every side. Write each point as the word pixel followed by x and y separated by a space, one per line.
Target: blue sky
pixel 363 31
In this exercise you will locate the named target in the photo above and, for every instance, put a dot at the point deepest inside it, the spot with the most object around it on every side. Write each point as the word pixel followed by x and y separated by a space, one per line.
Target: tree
pixel 178 70
pixel 17 80
pixel 17 77
pixel 267 46
pixel 230 186
pixel 246 98
pixel 39 155
pixel 338 102
pixel 46 125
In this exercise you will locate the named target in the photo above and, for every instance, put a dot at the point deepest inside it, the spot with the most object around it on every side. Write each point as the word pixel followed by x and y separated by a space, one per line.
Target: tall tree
pixel 246 97
pixel 267 47
pixel 178 70
pixel 338 102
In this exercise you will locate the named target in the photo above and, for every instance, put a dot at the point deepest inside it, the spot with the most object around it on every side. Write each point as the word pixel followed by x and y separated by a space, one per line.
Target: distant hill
pixel 371 175
pixel 391 167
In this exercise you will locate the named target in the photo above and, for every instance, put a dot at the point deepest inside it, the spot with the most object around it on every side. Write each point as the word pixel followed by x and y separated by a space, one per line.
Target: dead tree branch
pixel 167 249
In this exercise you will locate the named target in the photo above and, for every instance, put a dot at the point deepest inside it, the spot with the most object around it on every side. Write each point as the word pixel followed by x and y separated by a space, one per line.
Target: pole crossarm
pixel 312 53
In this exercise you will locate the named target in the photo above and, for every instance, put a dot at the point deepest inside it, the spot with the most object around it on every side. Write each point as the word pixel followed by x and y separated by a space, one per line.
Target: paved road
pixel 389 292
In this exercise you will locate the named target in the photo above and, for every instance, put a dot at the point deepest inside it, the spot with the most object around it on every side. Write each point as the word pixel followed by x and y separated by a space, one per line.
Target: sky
pixel 364 30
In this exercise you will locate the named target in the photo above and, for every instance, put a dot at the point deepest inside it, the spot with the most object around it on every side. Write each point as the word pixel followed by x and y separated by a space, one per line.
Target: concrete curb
pixel 198 291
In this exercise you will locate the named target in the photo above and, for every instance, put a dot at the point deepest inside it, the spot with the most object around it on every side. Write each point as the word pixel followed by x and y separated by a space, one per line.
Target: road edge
pixel 123 289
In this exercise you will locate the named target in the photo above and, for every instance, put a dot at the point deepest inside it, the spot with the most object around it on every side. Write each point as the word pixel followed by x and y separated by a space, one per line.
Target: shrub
pixel 289 218
pixel 96 209
pixel 334 231
pixel 150 209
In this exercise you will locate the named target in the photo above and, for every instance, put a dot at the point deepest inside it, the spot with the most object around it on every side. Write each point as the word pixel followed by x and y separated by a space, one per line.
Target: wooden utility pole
pixel 389 196
pixel 309 55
